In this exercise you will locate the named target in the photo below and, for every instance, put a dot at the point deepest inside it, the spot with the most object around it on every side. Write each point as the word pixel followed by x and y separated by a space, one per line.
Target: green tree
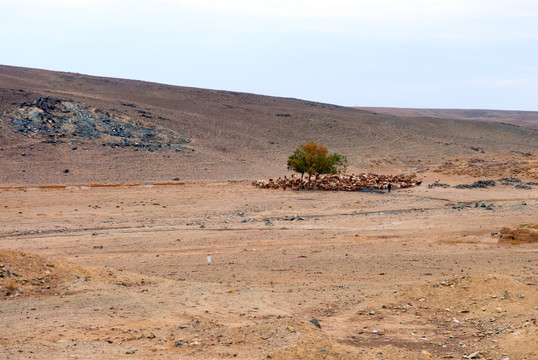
pixel 315 159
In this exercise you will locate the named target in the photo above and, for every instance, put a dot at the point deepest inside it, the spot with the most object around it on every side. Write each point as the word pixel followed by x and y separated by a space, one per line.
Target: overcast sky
pixel 412 53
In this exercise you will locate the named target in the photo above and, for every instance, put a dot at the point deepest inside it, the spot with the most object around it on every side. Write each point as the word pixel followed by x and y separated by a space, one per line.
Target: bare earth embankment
pixel 108 260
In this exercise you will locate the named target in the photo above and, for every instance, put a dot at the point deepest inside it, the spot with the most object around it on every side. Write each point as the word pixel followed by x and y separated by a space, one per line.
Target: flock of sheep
pixel 340 182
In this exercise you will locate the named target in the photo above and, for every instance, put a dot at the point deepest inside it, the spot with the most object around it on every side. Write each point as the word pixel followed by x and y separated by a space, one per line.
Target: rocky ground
pixel 122 272
pixel 113 193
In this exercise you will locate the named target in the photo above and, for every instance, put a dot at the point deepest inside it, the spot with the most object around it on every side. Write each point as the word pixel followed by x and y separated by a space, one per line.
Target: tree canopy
pixel 315 159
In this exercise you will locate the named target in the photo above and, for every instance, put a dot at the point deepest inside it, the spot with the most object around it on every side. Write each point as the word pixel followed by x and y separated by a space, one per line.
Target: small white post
pixel 208 259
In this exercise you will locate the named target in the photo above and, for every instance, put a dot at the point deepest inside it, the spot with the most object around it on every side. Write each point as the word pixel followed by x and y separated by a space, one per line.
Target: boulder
pixel 527 233
pixel 46 103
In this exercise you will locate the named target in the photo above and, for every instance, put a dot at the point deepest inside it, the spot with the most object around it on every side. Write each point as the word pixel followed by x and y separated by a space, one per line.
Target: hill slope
pixel 74 129
pixel 519 118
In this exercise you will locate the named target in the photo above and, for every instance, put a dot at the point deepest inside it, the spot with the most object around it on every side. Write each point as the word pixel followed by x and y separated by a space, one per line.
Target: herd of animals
pixel 340 182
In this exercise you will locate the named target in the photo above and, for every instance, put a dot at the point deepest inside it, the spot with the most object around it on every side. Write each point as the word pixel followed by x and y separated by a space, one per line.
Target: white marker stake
pixel 208 259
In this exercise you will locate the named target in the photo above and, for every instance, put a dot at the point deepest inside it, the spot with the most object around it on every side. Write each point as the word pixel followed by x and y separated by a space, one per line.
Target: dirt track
pixel 406 275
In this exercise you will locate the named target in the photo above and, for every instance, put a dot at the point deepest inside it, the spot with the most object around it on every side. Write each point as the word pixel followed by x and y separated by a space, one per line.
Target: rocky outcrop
pixel 55 120
pixel 527 233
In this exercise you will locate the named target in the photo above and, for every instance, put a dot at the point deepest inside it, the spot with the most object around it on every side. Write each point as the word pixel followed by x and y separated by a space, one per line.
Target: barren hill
pixel 72 129
pixel 519 118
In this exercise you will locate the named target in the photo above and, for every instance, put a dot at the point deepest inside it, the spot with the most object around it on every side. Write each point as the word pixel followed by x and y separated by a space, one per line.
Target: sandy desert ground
pixel 113 192
pixel 121 272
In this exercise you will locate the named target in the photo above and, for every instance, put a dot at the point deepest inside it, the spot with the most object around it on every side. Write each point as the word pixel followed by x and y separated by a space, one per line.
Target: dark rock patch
pixel 509 180
pixel 480 184
pixel 55 121
pixel 478 149
pixel 315 322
